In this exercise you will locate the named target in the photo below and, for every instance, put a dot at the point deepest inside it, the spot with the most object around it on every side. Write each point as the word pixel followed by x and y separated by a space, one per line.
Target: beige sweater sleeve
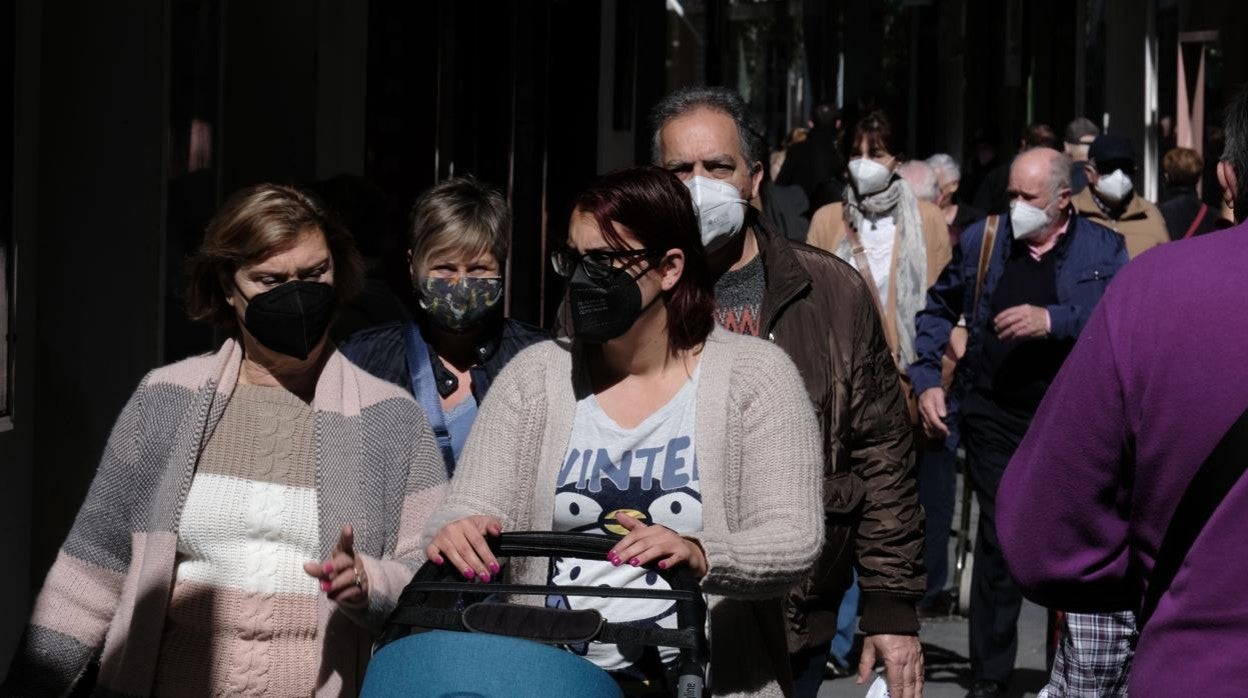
pixel 827 227
pixel 779 502
pixel 498 461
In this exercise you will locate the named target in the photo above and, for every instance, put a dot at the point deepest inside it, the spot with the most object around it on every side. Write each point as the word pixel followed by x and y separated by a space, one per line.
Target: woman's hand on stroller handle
pixel 644 544
pixel 462 544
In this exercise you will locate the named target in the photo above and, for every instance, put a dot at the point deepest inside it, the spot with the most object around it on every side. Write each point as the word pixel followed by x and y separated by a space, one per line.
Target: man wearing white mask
pixel 1110 198
pixel 1026 284
pixel 819 310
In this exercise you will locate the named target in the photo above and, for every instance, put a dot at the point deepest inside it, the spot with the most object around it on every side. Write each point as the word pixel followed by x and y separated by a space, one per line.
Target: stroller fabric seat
pixel 466 665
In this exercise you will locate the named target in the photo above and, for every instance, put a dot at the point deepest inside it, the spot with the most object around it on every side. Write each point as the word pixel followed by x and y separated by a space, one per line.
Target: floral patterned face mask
pixel 459 303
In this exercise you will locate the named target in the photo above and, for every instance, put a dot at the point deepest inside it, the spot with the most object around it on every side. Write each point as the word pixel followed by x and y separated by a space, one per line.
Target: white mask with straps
pixel 870 177
pixel 1114 187
pixel 1027 221
pixel 720 210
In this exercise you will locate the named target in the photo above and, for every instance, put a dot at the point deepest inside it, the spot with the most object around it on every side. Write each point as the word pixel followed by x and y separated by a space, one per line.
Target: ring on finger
pixel 359 581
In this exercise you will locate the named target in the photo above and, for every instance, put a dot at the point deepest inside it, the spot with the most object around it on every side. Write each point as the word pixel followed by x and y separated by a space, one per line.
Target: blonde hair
pixel 460 214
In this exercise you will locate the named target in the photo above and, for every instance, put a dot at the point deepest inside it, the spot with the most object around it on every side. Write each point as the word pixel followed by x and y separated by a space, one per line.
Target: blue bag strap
pixel 425 390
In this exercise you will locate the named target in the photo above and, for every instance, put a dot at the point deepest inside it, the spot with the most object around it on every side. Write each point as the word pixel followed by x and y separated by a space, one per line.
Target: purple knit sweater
pixel 1157 377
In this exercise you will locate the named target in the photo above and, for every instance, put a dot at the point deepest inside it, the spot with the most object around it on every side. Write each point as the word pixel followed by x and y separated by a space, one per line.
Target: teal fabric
pixel 441 663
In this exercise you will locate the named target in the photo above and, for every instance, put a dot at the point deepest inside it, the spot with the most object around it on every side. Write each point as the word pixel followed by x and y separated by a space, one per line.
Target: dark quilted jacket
pixel 818 309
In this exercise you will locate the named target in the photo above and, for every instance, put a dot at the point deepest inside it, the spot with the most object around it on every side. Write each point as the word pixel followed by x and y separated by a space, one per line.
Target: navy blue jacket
pixel 382 351
pixel 1086 262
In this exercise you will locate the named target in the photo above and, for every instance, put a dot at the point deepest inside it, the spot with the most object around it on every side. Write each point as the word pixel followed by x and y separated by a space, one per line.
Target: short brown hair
pixel 1039 136
pixel 460 213
pixel 1183 167
pixel 252 225
pixel 877 130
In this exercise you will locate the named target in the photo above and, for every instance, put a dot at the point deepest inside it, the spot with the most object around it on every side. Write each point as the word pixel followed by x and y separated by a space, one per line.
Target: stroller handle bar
pixel 426 602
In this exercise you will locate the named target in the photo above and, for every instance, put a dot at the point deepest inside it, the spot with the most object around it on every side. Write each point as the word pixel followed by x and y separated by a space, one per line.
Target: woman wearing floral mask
pixel 448 356
pixel 257 511
pixel 683 442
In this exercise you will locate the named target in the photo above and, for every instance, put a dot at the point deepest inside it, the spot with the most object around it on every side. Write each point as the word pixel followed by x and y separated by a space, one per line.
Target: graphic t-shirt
pixel 739 296
pixel 649 472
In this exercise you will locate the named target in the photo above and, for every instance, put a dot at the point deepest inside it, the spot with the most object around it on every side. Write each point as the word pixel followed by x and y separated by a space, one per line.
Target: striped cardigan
pixel 378 468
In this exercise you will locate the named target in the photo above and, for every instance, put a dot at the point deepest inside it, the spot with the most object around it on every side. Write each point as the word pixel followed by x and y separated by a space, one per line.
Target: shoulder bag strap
pixel 1215 478
pixel 864 268
pixel 985 257
pixel 1200 216
pixel 425 390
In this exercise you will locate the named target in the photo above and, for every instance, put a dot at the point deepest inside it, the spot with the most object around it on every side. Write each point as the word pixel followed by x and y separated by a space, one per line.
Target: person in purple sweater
pixel 1154 382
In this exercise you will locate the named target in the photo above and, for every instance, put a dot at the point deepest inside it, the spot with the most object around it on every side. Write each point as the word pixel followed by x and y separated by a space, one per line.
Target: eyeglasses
pixel 598 263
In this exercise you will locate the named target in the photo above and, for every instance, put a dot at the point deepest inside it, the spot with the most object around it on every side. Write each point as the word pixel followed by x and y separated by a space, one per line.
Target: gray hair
pixel 945 165
pixel 1079 127
pixel 1059 173
pixel 720 99
pixel 922 179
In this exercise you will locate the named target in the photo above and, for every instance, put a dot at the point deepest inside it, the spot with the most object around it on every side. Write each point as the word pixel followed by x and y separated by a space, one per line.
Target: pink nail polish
pixel 328 567
pixel 485 578
pixel 324 585
pixel 663 565
pixel 437 560
pixel 615 562
pixel 634 562
pixel 469 573
pixel 494 567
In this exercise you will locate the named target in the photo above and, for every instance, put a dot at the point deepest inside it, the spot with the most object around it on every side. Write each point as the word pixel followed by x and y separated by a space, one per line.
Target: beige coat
pixel 827 227
pixel 1141 225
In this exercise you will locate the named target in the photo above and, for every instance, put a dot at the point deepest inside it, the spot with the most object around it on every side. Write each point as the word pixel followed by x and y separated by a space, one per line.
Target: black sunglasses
pixel 599 264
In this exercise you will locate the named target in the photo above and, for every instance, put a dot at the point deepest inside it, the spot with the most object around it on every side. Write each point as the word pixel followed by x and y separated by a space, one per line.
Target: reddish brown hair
pixel 253 225
pixel 1183 167
pixel 656 209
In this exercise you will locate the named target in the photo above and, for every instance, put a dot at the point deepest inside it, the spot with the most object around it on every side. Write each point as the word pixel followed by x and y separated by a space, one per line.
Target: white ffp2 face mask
pixel 720 209
pixel 1027 221
pixel 1114 187
pixel 869 176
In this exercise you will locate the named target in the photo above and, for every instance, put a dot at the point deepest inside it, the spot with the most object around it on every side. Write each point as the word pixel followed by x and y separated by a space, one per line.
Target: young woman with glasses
pixel 688 444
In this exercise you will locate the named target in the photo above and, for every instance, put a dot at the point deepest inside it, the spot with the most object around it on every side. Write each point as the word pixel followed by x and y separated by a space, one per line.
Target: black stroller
pixel 448 637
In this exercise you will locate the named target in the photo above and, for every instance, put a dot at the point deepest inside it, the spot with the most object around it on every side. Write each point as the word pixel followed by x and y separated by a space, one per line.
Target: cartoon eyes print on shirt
pixel 679 511
pixel 584 513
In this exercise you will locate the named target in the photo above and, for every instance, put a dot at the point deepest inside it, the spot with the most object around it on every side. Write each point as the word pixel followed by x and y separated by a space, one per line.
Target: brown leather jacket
pixel 819 310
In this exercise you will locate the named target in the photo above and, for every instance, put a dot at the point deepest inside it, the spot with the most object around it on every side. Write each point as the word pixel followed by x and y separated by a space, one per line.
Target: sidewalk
pixel 945 645
pixel 948 665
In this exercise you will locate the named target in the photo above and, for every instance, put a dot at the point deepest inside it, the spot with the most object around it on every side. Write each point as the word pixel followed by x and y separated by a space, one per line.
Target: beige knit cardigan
pixel 378 468
pixel 759 459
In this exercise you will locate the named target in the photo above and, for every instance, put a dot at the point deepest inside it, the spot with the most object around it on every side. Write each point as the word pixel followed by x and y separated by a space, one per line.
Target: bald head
pixel 1041 177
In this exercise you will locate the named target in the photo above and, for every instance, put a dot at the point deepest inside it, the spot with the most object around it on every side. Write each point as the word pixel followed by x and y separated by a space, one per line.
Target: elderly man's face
pixel 705 143
pixel 1029 181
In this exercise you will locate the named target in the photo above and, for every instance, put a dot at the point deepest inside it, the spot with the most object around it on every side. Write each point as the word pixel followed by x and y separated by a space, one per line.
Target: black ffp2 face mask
pixel 605 308
pixel 291 319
